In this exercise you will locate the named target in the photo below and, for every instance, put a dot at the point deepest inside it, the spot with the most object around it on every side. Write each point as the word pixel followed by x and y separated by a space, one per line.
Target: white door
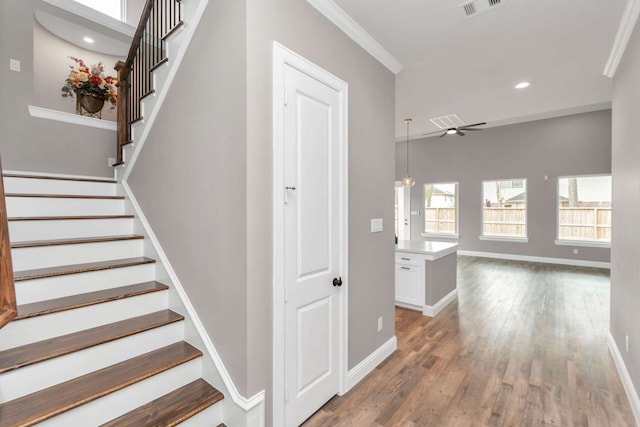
pixel 313 243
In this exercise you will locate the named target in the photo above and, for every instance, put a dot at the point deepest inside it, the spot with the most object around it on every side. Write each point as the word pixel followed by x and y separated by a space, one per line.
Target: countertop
pixel 433 250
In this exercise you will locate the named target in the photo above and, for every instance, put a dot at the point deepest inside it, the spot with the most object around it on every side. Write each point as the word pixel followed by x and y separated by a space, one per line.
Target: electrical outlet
pixel 575 251
pixel 626 343
pixel 380 325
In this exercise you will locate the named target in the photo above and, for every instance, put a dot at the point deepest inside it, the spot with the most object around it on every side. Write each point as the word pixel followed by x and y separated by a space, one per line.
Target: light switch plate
pixel 376 225
pixel 14 65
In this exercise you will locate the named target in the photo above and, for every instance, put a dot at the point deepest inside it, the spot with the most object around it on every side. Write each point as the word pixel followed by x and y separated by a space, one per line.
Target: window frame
pixel 511 239
pixel 441 235
pixel 123 10
pixel 582 243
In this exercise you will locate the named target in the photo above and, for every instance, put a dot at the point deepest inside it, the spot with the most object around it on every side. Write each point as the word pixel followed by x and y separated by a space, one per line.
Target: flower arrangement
pixel 90 81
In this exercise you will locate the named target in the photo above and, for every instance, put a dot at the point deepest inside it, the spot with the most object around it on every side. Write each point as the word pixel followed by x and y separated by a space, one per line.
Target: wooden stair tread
pixel 41 405
pixel 172 408
pixel 61 270
pixel 57 242
pixel 56 305
pixel 60 178
pixel 64 196
pixel 48 349
pixel 64 218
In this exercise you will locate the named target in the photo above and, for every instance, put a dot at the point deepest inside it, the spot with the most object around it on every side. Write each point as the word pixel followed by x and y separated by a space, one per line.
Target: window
pixel 505 209
pixel 584 209
pixel 440 209
pixel 112 8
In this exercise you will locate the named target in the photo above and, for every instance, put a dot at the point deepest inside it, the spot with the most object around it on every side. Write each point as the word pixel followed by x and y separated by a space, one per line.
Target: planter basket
pixel 87 104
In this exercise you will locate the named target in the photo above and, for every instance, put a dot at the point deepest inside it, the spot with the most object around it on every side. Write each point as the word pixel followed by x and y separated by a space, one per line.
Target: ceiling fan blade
pixel 466 129
pixel 471 125
pixel 444 134
pixel 459 132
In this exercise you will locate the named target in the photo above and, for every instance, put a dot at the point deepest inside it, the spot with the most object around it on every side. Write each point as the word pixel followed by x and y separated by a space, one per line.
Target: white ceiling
pixel 468 66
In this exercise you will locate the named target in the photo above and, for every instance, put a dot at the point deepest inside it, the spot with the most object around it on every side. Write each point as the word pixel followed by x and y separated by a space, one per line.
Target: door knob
pixel 337 281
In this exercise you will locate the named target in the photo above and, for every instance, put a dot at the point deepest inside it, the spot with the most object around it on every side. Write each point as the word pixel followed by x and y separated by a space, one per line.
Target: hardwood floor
pixel 524 345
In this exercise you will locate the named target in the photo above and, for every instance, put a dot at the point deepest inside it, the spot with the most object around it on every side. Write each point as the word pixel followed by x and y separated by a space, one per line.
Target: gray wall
pixel 572 145
pixel 133 11
pixel 190 180
pixel 204 178
pixel 298 26
pixel 33 144
pixel 625 251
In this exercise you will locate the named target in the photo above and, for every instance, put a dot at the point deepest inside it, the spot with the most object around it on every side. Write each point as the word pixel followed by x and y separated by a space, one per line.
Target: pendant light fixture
pixel 408 181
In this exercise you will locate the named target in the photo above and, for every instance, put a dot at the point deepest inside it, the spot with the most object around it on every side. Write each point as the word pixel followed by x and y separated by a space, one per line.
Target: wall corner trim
pixel 350 27
pixel 61 116
pixel 632 395
pixel 433 310
pixel 247 404
pixel 365 367
pixel 627 24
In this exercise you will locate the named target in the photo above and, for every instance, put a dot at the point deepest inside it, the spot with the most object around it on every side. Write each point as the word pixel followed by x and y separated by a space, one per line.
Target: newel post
pixel 122 114
pixel 8 307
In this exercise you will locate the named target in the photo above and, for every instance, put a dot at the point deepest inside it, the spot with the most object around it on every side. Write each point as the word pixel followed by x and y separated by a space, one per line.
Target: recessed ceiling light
pixel 522 85
pixel 88 39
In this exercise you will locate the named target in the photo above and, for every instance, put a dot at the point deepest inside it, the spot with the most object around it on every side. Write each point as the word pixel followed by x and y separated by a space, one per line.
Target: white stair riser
pixel 28 291
pixel 34 329
pixel 115 404
pixel 56 186
pixel 21 231
pixel 212 416
pixel 20 382
pixel 51 256
pixel 43 206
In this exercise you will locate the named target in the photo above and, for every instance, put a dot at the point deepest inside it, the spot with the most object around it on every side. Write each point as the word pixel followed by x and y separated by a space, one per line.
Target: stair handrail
pixel 8 305
pixel 158 19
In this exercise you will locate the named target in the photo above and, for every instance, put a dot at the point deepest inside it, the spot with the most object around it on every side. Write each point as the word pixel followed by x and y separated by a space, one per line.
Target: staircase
pixel 94 342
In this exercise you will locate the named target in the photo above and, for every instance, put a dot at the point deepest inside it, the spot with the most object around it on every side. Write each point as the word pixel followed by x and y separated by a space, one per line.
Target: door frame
pixel 282 57
pixel 406 193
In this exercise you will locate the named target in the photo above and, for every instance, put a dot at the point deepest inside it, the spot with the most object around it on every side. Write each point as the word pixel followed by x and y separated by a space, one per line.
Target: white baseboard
pixel 632 394
pixel 545 260
pixel 408 306
pixel 364 368
pixel 433 310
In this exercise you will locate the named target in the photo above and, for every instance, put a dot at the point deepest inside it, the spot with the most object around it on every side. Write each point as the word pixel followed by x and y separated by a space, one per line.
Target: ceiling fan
pixel 458 130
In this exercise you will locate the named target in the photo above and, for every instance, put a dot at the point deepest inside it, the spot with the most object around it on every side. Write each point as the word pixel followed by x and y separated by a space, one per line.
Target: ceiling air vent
pixel 448 121
pixel 475 7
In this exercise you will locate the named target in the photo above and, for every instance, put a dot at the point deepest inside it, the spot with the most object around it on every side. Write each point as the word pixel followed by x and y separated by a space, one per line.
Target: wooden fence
pixel 592 223
pixel 585 224
pixel 440 220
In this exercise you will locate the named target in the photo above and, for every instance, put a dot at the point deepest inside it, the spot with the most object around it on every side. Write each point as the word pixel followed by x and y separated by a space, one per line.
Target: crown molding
pixel 627 24
pixel 350 27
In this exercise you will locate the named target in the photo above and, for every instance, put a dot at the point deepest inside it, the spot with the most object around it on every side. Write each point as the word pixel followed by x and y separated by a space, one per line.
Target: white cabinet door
pixel 410 285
